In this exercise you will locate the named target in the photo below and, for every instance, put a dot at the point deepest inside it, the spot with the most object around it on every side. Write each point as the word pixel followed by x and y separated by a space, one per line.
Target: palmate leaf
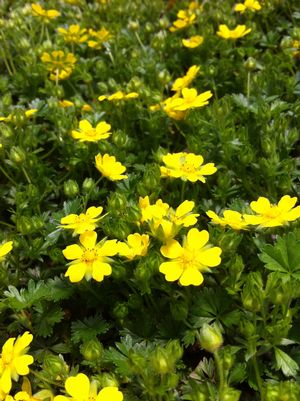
pixel 88 328
pixel 44 322
pixel 284 362
pixel 284 256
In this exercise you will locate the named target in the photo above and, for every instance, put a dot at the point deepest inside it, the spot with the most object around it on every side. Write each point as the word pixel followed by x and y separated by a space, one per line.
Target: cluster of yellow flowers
pixel 11 117
pixel 14 362
pixel 77 35
pixel 44 15
pixel 184 99
pixel 267 214
pixel 117 96
pixel 59 64
pixel 185 18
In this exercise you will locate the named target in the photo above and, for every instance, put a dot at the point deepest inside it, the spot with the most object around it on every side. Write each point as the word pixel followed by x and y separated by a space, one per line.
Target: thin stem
pixel 182 191
pixel 7 176
pixel 248 84
pixel 220 374
pixel 139 41
pixel 26 175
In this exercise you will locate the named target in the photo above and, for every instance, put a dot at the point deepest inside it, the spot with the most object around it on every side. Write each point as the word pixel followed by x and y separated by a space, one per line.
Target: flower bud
pixel 210 337
pixel 17 155
pixel 24 225
pixel 71 188
pixel 55 365
pixel 133 25
pixel 120 139
pixel 108 380
pixel 164 76
pixel 92 350
pixel 250 64
pixel 231 394
pixel 5 130
pixel 120 311
pixel 87 185
pixel 117 201
pixel 7 99
pixel 286 42
pixel 161 362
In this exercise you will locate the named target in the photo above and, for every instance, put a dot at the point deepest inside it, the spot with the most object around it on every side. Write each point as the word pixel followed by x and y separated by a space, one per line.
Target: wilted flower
pixel 109 167
pixel 90 260
pixel 193 41
pixel 236 33
pixel 59 64
pixel 231 218
pixel 269 215
pixel 81 389
pixel 87 133
pixel 82 222
pixel 187 166
pixel 14 360
pixel 191 259
pixel 136 245
pixel 74 34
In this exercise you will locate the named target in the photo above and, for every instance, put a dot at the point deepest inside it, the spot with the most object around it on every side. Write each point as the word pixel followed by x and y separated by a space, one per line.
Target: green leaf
pixel 87 329
pixel 44 322
pixel 284 256
pixel 284 362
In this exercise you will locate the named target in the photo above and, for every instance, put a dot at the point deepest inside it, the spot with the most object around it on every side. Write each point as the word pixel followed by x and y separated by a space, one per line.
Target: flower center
pixel 187 260
pixel 7 358
pixel 89 256
pixel 187 168
pixel 273 212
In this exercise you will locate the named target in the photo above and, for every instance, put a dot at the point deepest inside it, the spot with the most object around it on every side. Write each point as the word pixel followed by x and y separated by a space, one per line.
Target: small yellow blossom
pixel 81 389
pixel 252 5
pixel 156 211
pixel 65 104
pixel 186 166
pixel 191 259
pixel 82 222
pixel 59 64
pixel 185 19
pixel 73 2
pixel 269 215
pixel 296 48
pixel 136 245
pixel 109 167
pixel 169 105
pixel 87 133
pixel 86 108
pixel 45 15
pixel 236 33
pixel 14 360
pixel 26 393
pixel 27 113
pixel 194 5
pixel 231 218
pixel 119 95
pixel 98 38
pixel 191 99
pixel 169 225
pixel 184 82
pixel 193 41
pixel 74 34
pixel 5 249
pixel 90 260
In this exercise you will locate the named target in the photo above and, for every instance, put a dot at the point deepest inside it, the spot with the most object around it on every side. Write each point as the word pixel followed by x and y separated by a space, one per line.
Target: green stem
pixel 89 193
pixel 248 84
pixel 257 375
pixel 220 374
pixel 26 175
pixel 7 176
pixel 182 191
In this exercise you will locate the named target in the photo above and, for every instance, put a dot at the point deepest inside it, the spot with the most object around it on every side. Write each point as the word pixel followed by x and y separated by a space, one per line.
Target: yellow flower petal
pixel 172 249
pixel 88 239
pixel 21 364
pixel 196 239
pixel 72 252
pixel 191 276
pixel 210 257
pixel 109 394
pixel 6 248
pixel 78 387
pixel 100 270
pixel 76 272
pixel 172 270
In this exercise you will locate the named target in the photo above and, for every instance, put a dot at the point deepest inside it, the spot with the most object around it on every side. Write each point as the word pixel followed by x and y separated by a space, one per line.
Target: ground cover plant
pixel 150 237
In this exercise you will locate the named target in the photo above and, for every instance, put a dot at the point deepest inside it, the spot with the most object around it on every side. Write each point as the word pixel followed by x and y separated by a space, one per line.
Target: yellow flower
pixel 14 360
pixel 98 38
pixel 5 249
pixel 83 222
pixel 236 33
pixel 252 5
pixel 193 41
pixel 194 5
pixel 185 19
pixel 59 64
pixel 65 103
pixel 269 215
pixel 80 389
pixel 110 168
pixel 74 34
pixel 156 211
pixel 90 260
pixel 191 259
pixel 168 226
pixel 87 133
pixel 86 108
pixel 186 166
pixel 296 47
pixel 231 218
pixel 169 105
pixel 184 81
pixel 136 245
pixel 190 99
pixel 26 393
pixel 46 15
pixel 119 95
pixel 27 113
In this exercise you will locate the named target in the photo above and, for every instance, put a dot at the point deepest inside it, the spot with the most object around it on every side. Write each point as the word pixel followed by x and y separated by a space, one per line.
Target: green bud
pixel 58 91
pixel 54 365
pixel 37 223
pixel 164 76
pixel 133 25
pixel 92 350
pixel 25 225
pixel 148 27
pixel 161 362
pixel 112 84
pixel 210 337
pixel 211 71
pixel 250 64
pixel 5 130
pixel 7 100
pixel 87 185
pixel 120 139
pixel 108 380
pixel 231 394
pixel 252 295
pixel 120 311
pixel 117 201
pixel 17 155
pixel 71 188
pixel 134 84
pixel 247 328
pixel 172 380
pixel 174 350
pixel 286 42
pixel 164 23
